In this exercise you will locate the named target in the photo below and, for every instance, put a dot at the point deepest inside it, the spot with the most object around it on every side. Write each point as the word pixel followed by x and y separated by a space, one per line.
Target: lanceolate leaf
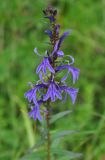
pixel 56 137
pixel 59 115
pixel 68 154
pixel 61 134
pixel 37 146
pixel 40 155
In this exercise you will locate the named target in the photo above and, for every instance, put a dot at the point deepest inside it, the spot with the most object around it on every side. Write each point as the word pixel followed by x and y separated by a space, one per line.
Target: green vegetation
pixel 21 29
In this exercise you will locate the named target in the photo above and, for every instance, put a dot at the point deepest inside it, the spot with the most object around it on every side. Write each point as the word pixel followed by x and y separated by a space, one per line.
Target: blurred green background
pixel 21 29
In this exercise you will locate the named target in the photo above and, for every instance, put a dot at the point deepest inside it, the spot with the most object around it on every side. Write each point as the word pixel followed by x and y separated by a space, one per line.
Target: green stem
pixel 48 136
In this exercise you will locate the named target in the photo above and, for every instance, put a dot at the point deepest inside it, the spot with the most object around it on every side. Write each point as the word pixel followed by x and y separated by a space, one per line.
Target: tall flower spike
pixel 47 88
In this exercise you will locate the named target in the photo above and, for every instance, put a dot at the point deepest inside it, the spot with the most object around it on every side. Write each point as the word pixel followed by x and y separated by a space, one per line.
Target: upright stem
pixel 48 136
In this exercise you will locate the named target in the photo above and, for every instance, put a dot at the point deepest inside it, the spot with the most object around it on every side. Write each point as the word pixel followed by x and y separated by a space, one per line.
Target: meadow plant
pixel 49 88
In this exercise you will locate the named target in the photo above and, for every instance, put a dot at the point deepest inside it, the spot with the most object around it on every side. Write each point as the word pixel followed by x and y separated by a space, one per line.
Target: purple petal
pixel 60 53
pixel 53 92
pixel 71 91
pixel 46 96
pixel 55 48
pixel 35 113
pixel 38 68
pixel 44 67
pixel 30 94
pixel 58 94
pixel 65 34
pixel 50 67
pixel 57 91
pixel 49 33
pixel 51 18
pixel 74 71
pixel 57 27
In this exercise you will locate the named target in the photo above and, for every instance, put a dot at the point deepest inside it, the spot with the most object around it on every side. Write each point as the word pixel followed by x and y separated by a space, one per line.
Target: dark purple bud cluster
pixel 50 14
pixel 48 88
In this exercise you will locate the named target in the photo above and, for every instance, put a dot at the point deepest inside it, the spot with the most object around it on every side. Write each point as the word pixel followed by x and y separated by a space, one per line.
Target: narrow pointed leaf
pixel 40 155
pixel 61 134
pixel 59 115
pixel 67 154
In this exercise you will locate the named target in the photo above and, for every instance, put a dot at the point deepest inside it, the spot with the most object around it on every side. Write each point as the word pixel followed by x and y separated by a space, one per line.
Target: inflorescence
pixel 48 88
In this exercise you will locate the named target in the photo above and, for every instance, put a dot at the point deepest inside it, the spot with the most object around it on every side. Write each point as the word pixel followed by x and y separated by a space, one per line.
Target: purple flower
pixel 71 91
pixel 57 27
pixel 49 33
pixel 59 42
pixel 53 92
pixel 35 113
pixel 60 53
pixel 31 94
pixel 55 48
pixel 61 39
pixel 74 71
pixel 51 18
pixel 44 65
pixel 57 52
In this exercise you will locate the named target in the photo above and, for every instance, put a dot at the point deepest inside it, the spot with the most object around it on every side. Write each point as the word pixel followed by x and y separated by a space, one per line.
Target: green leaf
pixel 58 135
pixel 37 146
pixel 59 115
pixel 61 134
pixel 66 154
pixel 40 155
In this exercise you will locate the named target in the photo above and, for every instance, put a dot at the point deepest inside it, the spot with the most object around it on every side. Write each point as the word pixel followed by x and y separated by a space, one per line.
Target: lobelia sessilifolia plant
pixel 48 88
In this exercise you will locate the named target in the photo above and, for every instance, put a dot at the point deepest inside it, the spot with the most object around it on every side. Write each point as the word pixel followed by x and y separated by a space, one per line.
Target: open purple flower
pixel 35 113
pixel 53 92
pixel 74 71
pixel 31 94
pixel 71 91
pixel 45 64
